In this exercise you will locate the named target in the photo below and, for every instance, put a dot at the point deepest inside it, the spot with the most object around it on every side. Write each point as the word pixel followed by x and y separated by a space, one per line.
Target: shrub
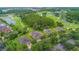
pixel 60 24
pixel 14 45
pixel 41 46
pixel 75 35
pixel 68 46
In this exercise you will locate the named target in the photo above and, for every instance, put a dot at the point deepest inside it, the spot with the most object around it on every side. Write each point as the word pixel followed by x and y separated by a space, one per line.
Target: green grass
pixel 71 25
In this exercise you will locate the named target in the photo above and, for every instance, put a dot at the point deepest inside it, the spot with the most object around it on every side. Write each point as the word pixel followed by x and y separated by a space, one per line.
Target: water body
pixel 9 21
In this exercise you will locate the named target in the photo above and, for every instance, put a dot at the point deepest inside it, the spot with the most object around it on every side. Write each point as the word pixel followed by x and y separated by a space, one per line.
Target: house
pixel 25 40
pixel 59 28
pixel 4 28
pixel 9 20
pixel 59 47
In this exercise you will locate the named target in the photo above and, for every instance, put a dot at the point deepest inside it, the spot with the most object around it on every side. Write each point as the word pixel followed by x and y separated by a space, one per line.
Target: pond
pixel 9 21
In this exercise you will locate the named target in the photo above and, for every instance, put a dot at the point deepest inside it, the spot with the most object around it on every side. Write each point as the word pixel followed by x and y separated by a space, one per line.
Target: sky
pixel 39 3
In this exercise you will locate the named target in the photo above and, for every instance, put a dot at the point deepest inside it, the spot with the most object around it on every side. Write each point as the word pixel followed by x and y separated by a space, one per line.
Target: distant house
pixel 45 13
pixel 36 9
pixel 9 21
pixel 57 13
pixel 71 41
pixel 4 28
pixel 36 35
pixel 59 28
pixel 59 47
pixel 47 31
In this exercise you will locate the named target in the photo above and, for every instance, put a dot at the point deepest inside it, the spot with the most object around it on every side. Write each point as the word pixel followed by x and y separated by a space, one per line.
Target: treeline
pixel 72 15
pixel 15 11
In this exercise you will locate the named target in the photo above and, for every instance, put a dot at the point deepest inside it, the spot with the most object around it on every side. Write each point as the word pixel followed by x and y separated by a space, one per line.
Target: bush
pixel 68 47
pixel 75 35
pixel 53 38
pixel 60 24
pixel 41 46
pixel 14 45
